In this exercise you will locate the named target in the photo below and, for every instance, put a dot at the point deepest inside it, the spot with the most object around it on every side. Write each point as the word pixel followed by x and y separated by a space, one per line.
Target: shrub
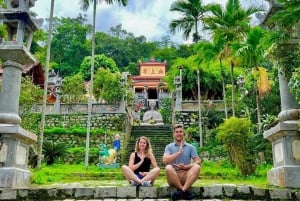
pixel 235 133
pixel 53 150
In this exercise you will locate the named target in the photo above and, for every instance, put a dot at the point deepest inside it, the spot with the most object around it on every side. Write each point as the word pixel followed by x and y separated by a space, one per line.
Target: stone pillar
pixel 9 96
pixel 14 145
pixel 178 95
pixel 14 141
pixel 285 139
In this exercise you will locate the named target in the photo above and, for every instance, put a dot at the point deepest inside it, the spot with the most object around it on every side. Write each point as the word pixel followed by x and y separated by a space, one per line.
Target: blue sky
pixel 149 18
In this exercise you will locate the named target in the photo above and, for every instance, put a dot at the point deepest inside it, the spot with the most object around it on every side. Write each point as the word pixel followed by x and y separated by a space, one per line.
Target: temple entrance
pixel 152 94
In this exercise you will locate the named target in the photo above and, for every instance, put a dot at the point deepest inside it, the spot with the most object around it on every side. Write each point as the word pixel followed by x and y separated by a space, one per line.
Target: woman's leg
pixel 129 174
pixel 152 175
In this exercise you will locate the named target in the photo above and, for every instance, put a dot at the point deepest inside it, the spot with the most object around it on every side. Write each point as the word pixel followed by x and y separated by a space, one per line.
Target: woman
pixel 138 170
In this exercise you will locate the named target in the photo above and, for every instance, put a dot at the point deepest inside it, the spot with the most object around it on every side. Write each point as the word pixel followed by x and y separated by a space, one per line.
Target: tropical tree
pixel 192 12
pixel 250 53
pixel 73 88
pixel 229 24
pixel 85 4
pixel 108 86
pixel 206 53
pixel 43 119
pixel 100 61
pixel 69 44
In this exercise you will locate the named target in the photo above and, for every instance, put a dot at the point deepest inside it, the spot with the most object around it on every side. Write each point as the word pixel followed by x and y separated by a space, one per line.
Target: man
pixel 180 172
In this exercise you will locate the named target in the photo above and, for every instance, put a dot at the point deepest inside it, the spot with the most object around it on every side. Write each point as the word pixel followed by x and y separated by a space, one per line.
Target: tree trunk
pixel 41 137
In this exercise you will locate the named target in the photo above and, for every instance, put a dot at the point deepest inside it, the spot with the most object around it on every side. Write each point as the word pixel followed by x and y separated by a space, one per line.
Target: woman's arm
pixel 153 161
pixel 131 164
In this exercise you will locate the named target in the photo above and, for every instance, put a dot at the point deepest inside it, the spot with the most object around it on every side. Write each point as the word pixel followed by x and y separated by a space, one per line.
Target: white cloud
pixel 150 18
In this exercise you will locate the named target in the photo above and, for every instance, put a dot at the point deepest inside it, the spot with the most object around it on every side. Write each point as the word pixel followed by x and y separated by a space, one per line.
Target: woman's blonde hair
pixel 148 149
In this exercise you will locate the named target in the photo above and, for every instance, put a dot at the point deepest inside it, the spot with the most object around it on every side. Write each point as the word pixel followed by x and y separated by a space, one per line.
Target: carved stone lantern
pixel 285 136
pixel 178 85
pixel 14 52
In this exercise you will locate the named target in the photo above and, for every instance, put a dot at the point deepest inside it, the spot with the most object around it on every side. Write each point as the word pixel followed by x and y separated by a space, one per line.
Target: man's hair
pixel 178 126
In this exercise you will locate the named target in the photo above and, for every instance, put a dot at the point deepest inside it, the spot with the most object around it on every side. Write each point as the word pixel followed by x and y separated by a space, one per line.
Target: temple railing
pixel 63 108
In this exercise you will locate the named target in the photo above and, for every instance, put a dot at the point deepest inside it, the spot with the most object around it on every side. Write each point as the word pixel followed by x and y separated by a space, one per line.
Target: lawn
pixel 211 173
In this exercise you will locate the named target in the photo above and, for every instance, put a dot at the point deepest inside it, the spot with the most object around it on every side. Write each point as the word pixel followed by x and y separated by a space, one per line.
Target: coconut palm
pixel 229 24
pixel 192 12
pixel 85 4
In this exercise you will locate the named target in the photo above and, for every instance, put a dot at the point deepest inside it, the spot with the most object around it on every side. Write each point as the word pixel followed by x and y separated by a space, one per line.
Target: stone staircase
pixel 159 137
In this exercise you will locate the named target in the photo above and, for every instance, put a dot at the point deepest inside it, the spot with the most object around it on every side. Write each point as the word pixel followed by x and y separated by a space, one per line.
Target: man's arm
pixel 167 158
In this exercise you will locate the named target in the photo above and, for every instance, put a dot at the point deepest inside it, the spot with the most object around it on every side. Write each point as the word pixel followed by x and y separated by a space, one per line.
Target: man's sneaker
pixel 133 183
pixel 178 195
pixel 146 183
pixel 189 195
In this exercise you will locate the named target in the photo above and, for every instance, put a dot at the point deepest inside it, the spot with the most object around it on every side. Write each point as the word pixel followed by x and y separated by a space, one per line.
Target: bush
pixel 235 134
pixel 53 150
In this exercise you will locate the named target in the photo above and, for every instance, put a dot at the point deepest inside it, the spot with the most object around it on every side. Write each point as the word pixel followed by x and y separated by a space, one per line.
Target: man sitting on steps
pixel 180 172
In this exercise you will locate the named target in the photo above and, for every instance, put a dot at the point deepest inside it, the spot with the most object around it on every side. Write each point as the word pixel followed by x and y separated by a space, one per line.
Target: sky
pixel 150 18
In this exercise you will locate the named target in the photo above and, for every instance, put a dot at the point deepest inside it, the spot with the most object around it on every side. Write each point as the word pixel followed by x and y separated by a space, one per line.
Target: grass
pixel 211 173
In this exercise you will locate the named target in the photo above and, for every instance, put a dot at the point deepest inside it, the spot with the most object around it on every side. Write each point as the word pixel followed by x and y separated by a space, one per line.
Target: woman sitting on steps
pixel 138 170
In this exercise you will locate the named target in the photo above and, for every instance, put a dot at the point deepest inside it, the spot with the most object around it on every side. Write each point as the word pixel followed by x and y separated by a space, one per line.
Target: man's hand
pixel 179 166
pixel 181 147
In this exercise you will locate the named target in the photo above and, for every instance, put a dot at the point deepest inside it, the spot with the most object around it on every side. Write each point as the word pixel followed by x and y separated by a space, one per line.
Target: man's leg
pixel 172 177
pixel 192 176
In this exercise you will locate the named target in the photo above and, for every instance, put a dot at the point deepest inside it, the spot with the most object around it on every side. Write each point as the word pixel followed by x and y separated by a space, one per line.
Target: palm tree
pixel 229 24
pixel 85 4
pixel 207 52
pixel 193 12
pixel 250 52
pixel 41 137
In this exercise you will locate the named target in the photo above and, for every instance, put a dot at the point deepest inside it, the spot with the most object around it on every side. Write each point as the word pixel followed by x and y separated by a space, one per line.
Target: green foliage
pixel 101 61
pixel 55 130
pixel 52 151
pixel 211 173
pixel 73 89
pixel 107 86
pixel 235 133
pixel 29 94
pixel 294 84
pixel 192 13
pixel 3 32
pixel 81 150
pixel 69 44
pixel 166 110
pixel 73 130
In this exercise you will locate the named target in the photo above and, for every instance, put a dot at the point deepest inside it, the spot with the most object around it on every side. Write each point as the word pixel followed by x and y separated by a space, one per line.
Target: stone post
pixel 285 136
pixel 178 85
pixel 14 140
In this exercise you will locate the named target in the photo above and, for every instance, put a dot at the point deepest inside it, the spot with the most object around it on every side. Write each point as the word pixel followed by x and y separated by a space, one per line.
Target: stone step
pixel 68 192
pixel 159 136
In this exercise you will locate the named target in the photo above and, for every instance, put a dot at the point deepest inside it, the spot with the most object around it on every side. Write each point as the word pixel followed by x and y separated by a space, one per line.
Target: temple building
pixel 149 84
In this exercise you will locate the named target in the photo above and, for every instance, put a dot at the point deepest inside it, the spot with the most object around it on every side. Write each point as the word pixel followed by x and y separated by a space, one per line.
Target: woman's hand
pixel 143 173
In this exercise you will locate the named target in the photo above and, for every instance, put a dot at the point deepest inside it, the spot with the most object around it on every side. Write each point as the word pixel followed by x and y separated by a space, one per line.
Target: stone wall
pixel 111 193
pixel 110 121
pixel 76 140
